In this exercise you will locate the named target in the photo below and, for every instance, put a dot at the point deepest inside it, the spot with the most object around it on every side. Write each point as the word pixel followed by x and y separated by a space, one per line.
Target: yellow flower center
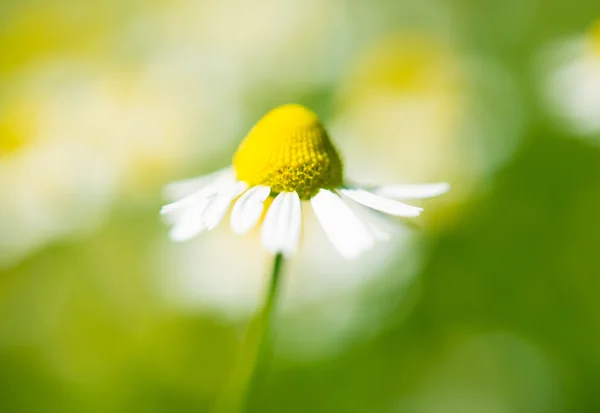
pixel 289 150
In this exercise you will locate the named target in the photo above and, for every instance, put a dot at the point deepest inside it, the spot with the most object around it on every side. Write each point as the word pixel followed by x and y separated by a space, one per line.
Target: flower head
pixel 289 151
pixel 288 158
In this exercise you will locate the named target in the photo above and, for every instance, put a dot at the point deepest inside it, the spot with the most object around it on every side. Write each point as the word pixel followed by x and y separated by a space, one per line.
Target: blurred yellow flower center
pixel 595 37
pixel 289 150
pixel 16 128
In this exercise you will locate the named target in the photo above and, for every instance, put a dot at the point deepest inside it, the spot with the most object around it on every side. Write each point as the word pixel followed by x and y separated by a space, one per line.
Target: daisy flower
pixel 286 162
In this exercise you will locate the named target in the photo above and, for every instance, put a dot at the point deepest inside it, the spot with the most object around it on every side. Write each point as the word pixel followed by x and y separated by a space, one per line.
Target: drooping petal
pixel 416 191
pixel 379 203
pixel 283 223
pixel 249 208
pixel 204 209
pixel 348 234
pixel 221 203
pixel 189 223
pixel 380 226
pixel 174 211
pixel 214 184
pixel 181 189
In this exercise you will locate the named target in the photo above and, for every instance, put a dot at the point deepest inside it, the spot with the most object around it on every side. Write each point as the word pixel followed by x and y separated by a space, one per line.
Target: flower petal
pixel 283 223
pixel 215 183
pixel 174 211
pixel 248 209
pixel 202 210
pixel 348 234
pixel 181 189
pixel 416 191
pixel 379 226
pixel 379 203
pixel 189 223
pixel 220 204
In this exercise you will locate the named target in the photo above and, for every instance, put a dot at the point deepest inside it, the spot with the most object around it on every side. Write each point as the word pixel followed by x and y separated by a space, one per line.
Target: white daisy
pixel 286 160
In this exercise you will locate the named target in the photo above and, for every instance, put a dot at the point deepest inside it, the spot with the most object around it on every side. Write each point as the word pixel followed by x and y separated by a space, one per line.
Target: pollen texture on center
pixel 289 150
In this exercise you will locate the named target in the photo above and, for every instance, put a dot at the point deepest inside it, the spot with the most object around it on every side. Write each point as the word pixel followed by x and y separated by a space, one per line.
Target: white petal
pixel 248 209
pixel 174 211
pixel 345 230
pixel 379 203
pixel 379 229
pixel 416 191
pixel 189 223
pixel 220 204
pixel 202 210
pixel 181 189
pixel 216 183
pixel 283 223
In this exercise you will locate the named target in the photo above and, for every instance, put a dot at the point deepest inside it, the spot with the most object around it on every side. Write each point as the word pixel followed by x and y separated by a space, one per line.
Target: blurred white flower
pixel 426 111
pixel 50 190
pixel 288 42
pixel 72 140
pixel 570 70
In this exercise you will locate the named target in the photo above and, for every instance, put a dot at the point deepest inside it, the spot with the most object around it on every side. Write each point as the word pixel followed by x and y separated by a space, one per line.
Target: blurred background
pixel 492 305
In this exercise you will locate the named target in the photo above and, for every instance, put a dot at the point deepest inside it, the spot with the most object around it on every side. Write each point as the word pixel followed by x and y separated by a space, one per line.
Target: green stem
pixel 254 354
pixel 265 321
